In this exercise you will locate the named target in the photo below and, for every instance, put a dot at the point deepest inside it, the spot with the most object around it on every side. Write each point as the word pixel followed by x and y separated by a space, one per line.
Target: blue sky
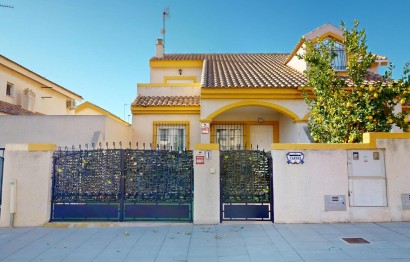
pixel 100 48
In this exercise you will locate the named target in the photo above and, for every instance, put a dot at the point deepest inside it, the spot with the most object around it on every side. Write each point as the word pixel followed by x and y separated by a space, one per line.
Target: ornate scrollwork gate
pixel 246 185
pixel 122 185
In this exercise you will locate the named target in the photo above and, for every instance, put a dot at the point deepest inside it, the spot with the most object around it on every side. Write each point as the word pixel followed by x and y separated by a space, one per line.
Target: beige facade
pixel 249 99
pixel 23 88
pixel 34 109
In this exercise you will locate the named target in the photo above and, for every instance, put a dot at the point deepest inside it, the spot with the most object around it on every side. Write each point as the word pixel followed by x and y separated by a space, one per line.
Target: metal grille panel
pixel 246 185
pixel 229 136
pixel 116 184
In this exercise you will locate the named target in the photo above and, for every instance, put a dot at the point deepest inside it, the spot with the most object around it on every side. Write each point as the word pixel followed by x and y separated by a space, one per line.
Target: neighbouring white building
pixel 24 92
pixel 34 109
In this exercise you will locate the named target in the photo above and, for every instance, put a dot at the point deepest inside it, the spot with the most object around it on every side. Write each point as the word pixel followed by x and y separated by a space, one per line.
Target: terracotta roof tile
pixel 371 78
pixel 249 70
pixel 244 70
pixel 167 101
pixel 11 109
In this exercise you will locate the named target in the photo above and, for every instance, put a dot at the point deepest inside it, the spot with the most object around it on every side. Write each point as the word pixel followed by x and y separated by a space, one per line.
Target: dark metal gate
pixel 122 185
pixel 246 185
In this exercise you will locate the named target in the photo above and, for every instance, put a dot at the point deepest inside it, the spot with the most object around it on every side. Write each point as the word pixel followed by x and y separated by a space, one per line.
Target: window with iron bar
pixel 170 135
pixel 339 61
pixel 229 135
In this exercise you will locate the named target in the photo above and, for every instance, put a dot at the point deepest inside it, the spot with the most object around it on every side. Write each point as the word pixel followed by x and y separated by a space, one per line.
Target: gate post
pixel 31 166
pixel 206 184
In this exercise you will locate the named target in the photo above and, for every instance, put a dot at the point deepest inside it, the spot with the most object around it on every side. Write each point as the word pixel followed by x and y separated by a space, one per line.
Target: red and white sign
pixel 200 160
pixel 205 128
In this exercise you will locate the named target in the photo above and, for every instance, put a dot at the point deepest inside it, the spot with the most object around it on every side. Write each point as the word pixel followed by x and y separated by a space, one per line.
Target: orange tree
pixel 343 107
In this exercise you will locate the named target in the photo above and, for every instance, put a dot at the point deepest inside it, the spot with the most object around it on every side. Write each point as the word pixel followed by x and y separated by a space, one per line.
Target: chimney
pixel 159 52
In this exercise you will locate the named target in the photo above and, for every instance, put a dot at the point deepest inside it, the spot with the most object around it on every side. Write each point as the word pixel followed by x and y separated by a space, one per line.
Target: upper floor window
pixel 9 89
pixel 339 61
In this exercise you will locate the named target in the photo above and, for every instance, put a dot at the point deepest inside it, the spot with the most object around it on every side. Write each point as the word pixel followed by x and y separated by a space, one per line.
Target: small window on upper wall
pixel 339 61
pixel 9 89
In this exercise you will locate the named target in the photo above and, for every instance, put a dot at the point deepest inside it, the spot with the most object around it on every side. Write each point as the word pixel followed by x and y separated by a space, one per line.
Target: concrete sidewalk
pixel 224 242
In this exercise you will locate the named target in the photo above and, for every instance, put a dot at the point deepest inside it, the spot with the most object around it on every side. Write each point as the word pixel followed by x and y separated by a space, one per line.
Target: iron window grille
pixel 229 136
pixel 339 51
pixel 171 135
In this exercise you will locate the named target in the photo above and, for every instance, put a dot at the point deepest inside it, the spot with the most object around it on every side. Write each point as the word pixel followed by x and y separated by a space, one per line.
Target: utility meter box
pixel 335 203
pixel 367 178
pixel 405 201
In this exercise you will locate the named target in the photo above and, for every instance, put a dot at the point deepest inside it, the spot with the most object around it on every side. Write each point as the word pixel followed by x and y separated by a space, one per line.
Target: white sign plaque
pixel 295 158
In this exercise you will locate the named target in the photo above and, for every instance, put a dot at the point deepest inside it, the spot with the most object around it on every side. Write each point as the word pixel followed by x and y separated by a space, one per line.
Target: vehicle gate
pixel 246 185
pixel 122 185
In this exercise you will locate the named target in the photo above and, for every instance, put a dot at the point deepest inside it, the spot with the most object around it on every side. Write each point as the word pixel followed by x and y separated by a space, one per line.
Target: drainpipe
pixel 13 200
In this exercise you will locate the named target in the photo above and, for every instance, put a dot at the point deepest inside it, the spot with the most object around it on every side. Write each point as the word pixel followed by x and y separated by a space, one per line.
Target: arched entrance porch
pixel 253 124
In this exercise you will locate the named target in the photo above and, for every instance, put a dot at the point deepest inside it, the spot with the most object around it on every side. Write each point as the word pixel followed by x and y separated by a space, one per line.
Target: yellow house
pixel 236 100
pixel 24 92
pixel 90 109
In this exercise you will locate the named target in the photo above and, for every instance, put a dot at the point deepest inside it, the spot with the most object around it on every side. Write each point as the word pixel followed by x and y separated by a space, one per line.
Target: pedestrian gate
pixel 122 185
pixel 246 185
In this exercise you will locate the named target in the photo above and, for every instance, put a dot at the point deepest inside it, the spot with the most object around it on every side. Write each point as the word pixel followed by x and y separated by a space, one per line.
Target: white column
pixel 206 184
pixel 31 166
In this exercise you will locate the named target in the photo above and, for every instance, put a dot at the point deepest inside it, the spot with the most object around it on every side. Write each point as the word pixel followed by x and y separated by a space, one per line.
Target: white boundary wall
pixel 299 190
pixel 31 167
pixel 62 130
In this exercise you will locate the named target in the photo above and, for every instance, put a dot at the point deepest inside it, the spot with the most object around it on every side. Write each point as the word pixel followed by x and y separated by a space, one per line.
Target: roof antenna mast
pixel 165 15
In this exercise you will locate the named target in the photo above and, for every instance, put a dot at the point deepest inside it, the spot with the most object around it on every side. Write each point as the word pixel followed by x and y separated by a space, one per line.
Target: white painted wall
pixel 398 177
pixel 208 106
pixel 62 130
pixel 249 113
pixel 157 74
pixel 299 190
pixel 206 188
pixel 33 186
pixel 291 132
pixel 298 64
pixel 170 91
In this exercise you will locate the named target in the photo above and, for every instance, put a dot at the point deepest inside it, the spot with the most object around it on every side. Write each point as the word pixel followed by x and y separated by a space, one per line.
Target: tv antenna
pixel 6 6
pixel 165 14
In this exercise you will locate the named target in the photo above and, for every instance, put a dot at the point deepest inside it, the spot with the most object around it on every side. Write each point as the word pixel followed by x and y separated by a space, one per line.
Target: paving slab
pixel 240 241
